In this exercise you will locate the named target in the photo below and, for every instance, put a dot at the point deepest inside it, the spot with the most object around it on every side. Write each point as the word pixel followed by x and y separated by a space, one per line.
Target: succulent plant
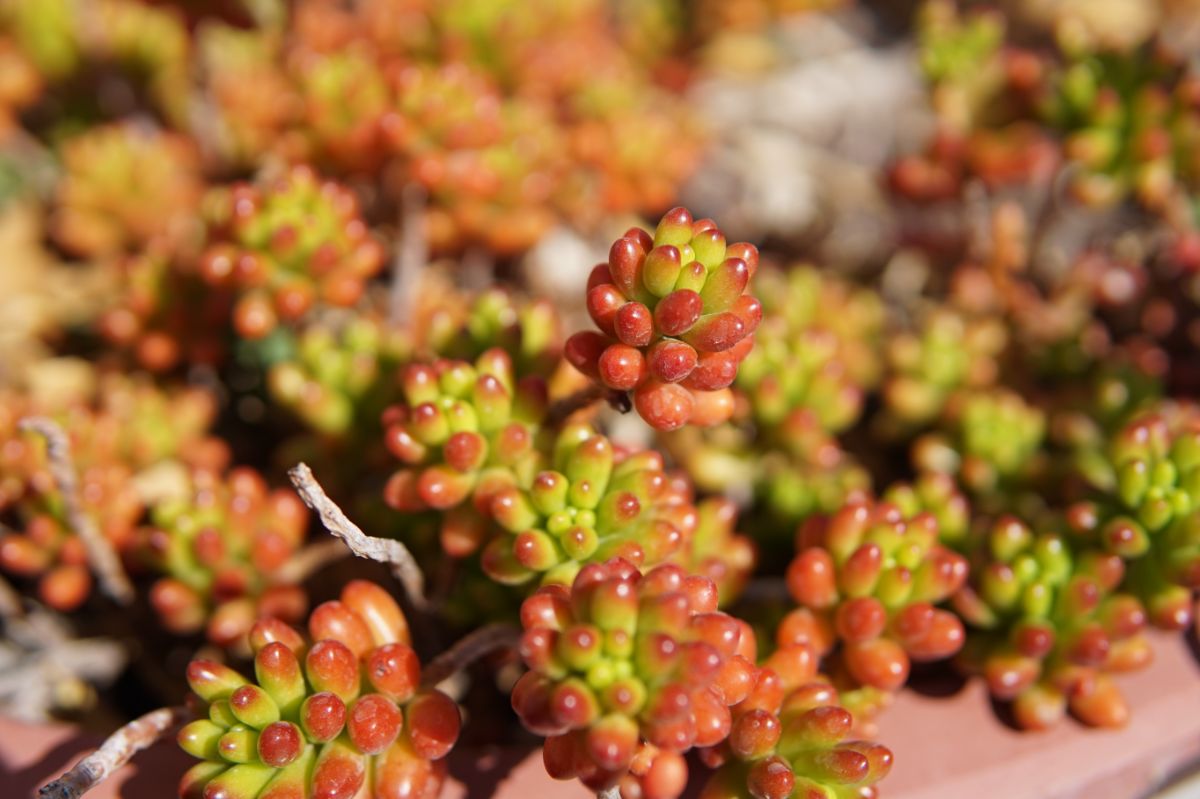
pixel 1053 626
pixel 995 440
pixel 817 348
pixel 716 551
pixel 789 739
pixel 1128 124
pixel 333 714
pixel 164 316
pixel 125 187
pixel 464 431
pixel 674 320
pixel 870 577
pixel 228 180
pixel 340 373
pixel 948 353
pixel 597 503
pixel 223 549
pixel 1144 509
pixel 287 247
pixel 455 324
pixel 621 660
pixel 118 436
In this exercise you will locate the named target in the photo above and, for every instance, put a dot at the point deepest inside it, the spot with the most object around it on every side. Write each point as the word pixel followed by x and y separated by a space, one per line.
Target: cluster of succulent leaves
pixel 1052 408
pixel 992 467
pixel 120 430
pixel 325 715
pixel 505 133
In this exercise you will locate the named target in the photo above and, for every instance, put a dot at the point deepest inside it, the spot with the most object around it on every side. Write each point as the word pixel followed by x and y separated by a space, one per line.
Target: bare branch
pixel 101 556
pixel 115 752
pixel 1052 207
pixel 469 649
pixel 476 269
pixel 10 602
pixel 42 668
pixel 411 255
pixel 310 560
pixel 562 409
pixel 383 550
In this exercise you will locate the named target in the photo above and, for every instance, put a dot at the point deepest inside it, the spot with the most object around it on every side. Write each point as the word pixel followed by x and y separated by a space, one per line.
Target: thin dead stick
pixel 101 555
pixel 412 253
pixel 477 269
pixel 1049 212
pixel 469 649
pixel 559 412
pixel 10 601
pixel 115 752
pixel 977 210
pixel 382 550
pixel 310 560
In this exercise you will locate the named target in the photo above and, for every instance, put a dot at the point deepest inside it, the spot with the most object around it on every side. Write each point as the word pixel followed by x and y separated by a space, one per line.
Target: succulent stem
pixel 563 409
pixel 469 649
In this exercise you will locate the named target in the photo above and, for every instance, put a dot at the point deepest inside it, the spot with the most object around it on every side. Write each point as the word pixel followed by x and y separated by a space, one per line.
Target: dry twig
pixel 43 669
pixel 467 650
pixel 114 753
pixel 10 601
pixel 411 255
pixel 101 556
pixel 383 550
pixel 310 560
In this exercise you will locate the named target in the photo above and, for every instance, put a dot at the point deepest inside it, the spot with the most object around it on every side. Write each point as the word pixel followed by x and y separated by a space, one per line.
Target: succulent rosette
pixel 222 550
pixel 119 432
pixel 165 316
pixel 794 738
pixel 454 324
pixel 1049 627
pixel 489 161
pixel 629 671
pixel 1146 508
pixel 287 246
pixel 340 373
pixel 1129 125
pixel 948 352
pixel 793 469
pixel 870 577
pixel 816 349
pixel 993 442
pixel 123 187
pixel 343 94
pixel 599 502
pixel 339 714
pixel 464 431
pixel 674 320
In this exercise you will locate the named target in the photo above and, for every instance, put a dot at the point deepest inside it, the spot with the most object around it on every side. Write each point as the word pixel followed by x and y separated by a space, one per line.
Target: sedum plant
pixel 694 517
